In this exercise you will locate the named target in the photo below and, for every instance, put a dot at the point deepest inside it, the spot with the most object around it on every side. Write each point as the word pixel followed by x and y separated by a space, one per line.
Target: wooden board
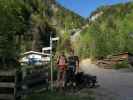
pixel 7 85
pixel 7 97
pixel 7 73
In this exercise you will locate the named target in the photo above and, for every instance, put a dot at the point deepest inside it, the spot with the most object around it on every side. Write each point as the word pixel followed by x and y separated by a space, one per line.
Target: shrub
pixel 120 65
pixel 57 96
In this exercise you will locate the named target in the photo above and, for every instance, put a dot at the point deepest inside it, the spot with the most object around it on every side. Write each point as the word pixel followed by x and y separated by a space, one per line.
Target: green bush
pixel 57 96
pixel 54 72
pixel 109 33
pixel 120 65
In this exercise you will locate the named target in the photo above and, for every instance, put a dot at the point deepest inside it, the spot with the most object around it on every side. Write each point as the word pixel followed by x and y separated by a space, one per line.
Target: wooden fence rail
pixel 16 84
pixel 8 80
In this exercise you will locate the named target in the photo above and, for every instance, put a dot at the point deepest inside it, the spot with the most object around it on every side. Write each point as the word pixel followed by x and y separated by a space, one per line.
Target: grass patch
pixel 121 65
pixel 57 96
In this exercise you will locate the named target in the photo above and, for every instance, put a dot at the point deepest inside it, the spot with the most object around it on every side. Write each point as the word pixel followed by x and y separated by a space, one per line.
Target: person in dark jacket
pixel 72 70
pixel 73 62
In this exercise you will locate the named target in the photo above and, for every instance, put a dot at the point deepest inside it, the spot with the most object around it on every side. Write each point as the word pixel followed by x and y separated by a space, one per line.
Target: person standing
pixel 62 66
pixel 73 62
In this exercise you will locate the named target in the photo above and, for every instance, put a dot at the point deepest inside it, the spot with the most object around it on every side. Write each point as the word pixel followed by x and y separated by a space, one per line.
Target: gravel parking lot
pixel 114 84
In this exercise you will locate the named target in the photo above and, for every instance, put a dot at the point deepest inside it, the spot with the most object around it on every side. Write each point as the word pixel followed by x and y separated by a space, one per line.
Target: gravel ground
pixel 114 84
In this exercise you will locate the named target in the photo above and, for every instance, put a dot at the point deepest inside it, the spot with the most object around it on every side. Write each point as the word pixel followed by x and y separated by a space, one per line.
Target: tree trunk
pixel 36 44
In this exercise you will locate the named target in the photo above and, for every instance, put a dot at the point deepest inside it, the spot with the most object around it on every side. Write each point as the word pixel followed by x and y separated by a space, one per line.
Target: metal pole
pixel 51 64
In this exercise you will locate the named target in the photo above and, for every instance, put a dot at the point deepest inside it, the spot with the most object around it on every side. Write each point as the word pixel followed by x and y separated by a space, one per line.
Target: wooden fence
pixel 8 81
pixel 114 59
pixel 16 84
pixel 33 80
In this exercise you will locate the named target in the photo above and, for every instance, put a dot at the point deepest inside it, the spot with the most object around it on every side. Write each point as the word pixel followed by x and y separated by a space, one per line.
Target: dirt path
pixel 114 84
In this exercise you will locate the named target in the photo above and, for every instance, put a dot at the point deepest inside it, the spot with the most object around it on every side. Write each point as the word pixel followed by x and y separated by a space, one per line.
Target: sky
pixel 86 7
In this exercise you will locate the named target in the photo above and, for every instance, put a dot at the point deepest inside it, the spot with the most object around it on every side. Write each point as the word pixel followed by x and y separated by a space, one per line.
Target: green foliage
pixel 43 19
pixel 120 65
pixel 64 43
pixel 68 19
pixel 28 24
pixel 57 96
pixel 12 23
pixel 109 33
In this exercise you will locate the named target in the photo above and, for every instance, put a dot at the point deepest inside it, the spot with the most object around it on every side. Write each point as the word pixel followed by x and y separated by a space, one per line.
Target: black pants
pixel 70 76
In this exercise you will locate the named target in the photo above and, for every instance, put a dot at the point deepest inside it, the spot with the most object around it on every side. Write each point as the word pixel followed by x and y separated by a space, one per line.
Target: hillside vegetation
pixel 27 25
pixel 47 17
pixel 40 18
pixel 110 33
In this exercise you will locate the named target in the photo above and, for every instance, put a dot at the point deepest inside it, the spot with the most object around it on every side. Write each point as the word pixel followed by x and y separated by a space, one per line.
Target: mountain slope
pixel 109 33
pixel 46 17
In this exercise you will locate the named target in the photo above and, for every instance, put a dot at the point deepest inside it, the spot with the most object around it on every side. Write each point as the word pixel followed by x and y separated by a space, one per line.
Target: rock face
pixel 46 17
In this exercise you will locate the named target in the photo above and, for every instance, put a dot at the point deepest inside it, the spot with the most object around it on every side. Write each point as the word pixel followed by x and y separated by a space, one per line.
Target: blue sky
pixel 85 7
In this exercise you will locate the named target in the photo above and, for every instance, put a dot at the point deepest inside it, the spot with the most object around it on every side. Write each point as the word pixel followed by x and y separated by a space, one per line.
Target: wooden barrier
pixel 111 60
pixel 114 59
pixel 15 84
pixel 33 80
pixel 8 81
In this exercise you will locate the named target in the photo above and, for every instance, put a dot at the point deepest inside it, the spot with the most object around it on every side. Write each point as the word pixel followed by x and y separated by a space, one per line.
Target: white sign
pixel 55 39
pixel 46 48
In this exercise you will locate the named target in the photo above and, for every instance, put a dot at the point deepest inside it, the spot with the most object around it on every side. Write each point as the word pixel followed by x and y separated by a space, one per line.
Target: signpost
pixel 51 64
pixel 46 48
pixel 55 39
